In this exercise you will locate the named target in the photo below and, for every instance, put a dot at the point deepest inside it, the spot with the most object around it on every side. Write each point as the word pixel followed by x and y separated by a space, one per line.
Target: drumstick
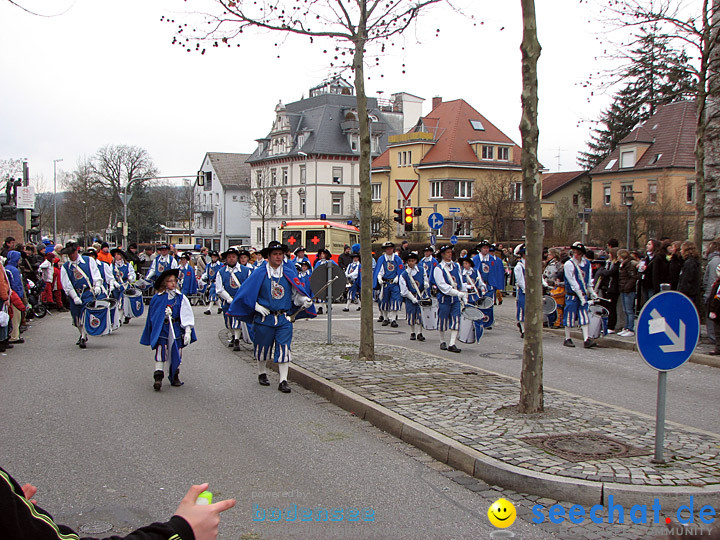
pixel 315 295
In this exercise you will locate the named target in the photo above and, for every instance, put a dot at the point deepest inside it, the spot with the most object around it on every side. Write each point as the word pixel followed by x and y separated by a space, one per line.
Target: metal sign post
pixel 668 330
pixel 329 303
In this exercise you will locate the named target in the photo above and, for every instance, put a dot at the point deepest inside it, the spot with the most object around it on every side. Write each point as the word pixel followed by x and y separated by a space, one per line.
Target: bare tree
pixel 264 198
pixel 566 224
pixel 353 25
pixel 81 212
pixel 494 206
pixel 712 133
pixel 531 378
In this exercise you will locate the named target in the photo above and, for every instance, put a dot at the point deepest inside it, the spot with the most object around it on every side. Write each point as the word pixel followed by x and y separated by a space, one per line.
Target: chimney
pixel 437 100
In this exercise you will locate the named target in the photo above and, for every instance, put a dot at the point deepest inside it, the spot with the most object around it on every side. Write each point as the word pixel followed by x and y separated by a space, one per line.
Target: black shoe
pixel 263 380
pixel 83 343
pixel 236 345
pixel 127 320
pixel 386 322
pixel 443 347
pixel 412 337
pixel 319 311
pixel 488 328
pixel 158 376
pixel 453 348
pixel 219 310
pixel 346 309
pixel 207 312
pixel 176 381
pixel 18 340
pixel 715 352
pixel 589 344
pixel 394 324
pixel 358 309
pixel 7 344
pixel 380 318
pixel 231 343
pixel 284 387
pixel 420 337
pixel 568 343
pixel 3 347
pixel 522 334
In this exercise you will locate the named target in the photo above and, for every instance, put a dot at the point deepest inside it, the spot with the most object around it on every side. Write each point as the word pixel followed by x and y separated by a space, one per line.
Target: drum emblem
pixel 233 283
pixel 485 268
pixel 94 321
pixel 211 272
pixel 390 267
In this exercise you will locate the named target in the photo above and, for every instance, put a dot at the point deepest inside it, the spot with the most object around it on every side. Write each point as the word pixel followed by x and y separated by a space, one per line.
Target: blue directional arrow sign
pixel 668 330
pixel 436 220
pixel 453 239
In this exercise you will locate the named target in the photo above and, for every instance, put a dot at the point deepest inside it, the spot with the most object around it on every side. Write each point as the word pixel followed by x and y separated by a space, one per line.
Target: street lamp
pixel 628 200
pixel 55 162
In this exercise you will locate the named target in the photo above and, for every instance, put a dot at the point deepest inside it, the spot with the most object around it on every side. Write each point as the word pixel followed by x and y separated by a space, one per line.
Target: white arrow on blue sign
pixel 436 220
pixel 453 239
pixel 668 330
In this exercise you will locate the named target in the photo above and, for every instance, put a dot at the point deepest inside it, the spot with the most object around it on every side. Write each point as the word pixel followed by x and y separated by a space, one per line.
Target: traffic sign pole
pixel 660 418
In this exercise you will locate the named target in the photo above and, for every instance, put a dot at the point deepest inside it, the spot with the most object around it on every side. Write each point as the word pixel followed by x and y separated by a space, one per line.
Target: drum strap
pixel 84 275
pixel 233 278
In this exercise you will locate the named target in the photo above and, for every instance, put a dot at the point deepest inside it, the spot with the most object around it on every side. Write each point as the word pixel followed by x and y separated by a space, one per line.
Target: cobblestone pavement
pixel 445 396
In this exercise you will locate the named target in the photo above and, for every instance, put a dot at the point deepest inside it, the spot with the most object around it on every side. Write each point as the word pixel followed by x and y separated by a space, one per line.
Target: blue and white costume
pixel 520 284
pixel 208 277
pixel 227 284
pixel 187 282
pixel 352 273
pixel 427 265
pixel 387 279
pixel 412 287
pixel 124 274
pixel 82 282
pixel 487 267
pixel 451 287
pixel 578 281
pixel 159 265
pixel 472 331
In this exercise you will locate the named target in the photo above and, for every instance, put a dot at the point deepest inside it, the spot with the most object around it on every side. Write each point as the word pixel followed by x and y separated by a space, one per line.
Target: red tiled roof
pixel 382 161
pixel 450 122
pixel 670 132
pixel 554 181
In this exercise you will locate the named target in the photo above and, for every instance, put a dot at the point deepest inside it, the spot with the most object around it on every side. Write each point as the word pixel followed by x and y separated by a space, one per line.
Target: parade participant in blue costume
pixel 451 294
pixel 269 297
pixel 211 270
pixel 386 277
pixel 352 273
pixel 486 267
pixel 300 255
pixel 169 327
pixel 227 284
pixel 187 280
pixel 124 274
pixel 497 279
pixel 412 287
pixel 304 273
pixel 163 261
pixel 82 282
pixel 475 287
pixel 427 265
pixel 106 272
pixel 322 258
pixel 244 259
pixel 578 290
pixel 520 284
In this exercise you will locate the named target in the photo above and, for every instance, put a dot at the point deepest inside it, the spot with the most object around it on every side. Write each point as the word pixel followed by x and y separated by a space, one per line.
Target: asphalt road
pixel 88 430
pixel 608 375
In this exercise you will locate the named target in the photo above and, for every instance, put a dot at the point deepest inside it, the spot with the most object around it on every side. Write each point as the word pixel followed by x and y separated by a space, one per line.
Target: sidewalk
pixel 465 417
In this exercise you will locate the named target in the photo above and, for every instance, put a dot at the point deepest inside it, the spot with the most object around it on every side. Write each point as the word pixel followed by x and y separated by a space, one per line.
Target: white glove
pixel 78 301
pixel 168 311
pixel 118 286
pixel 483 290
pixel 97 290
pixel 225 296
pixel 306 302
pixel 412 298
pixel 396 279
pixel 262 310
pixel 593 294
pixel 463 296
pixel 187 337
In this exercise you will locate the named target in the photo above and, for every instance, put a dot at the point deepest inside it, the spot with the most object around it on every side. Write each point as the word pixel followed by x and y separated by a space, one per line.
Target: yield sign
pixel 406 187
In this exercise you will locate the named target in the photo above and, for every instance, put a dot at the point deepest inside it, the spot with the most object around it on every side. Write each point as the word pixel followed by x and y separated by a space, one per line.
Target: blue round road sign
pixel 436 220
pixel 453 240
pixel 668 330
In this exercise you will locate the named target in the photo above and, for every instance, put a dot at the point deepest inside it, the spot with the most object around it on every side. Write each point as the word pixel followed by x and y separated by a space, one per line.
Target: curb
pixel 491 470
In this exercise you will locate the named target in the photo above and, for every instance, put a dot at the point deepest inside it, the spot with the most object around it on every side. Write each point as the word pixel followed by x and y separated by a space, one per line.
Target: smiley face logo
pixel 502 513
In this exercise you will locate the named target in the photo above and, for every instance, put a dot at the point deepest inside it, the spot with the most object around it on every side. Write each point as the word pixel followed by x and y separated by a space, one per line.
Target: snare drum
pixel 485 302
pixel 97 318
pixel 466 332
pixel 429 314
pixel 549 305
pixel 598 321
pixel 473 313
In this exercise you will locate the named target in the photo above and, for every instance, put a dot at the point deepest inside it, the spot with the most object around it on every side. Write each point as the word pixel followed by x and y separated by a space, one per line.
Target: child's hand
pixel 712 315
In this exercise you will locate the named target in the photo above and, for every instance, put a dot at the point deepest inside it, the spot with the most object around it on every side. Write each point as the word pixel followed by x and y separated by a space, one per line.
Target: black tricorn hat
pixel 115 251
pixel 231 251
pixel 272 246
pixel 70 247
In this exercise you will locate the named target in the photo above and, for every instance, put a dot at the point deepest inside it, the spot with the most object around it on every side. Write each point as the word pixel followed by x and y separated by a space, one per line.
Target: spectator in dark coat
pixel 627 284
pixel 646 270
pixel 689 283
pixel 661 267
pixel 610 287
pixel 7 246
pixel 713 311
pixel 345 258
pixel 675 263
pixel 16 286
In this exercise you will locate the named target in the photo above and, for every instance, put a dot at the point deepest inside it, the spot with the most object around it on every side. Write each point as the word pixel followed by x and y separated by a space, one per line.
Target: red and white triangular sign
pixel 406 187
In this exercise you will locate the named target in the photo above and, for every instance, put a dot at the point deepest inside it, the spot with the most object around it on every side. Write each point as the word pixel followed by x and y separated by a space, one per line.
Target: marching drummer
pixel 227 285
pixel 244 259
pixel 451 293
pixel 304 274
pixel 427 265
pixel 163 261
pixel 208 277
pixel 412 288
pixel 169 327
pixel 578 290
pixel 553 280
pixel 520 284
pixel 475 287
pixel 387 279
pixel 352 273
pixel 486 266
pixel 187 281
pixel 106 272
pixel 124 274
pixel 82 282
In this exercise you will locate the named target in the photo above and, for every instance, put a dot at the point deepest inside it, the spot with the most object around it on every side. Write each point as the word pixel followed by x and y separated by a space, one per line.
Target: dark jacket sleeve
pixel 22 520
pixel 689 283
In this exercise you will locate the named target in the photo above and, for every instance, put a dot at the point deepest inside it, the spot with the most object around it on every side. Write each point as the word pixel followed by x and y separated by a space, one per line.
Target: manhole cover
pixel 577 447
pixel 96 527
pixel 388 332
pixel 501 356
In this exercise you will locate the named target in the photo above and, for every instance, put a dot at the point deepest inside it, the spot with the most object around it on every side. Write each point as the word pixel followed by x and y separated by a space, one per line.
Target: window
pixel 337 205
pixel 516 191
pixel 477 125
pixel 465 228
pixel 273 177
pixel 301 139
pixel 400 163
pixel 258 235
pixel 285 176
pixel 354 143
pixel 652 193
pixel 337 175
pixel 627 159
pixel 503 153
pixel 655 159
pixel 690 193
pixel 463 189
pixel 258 178
pixel 488 152
pixel 208 181
pixel 375 227
pixel 606 195
pixel 284 205
pixel 376 192
pixel 273 234
pixel 303 209
pixel 435 190
pixel 273 206
pixel 576 199
pixel 610 164
pixel 409 158
pixel 303 174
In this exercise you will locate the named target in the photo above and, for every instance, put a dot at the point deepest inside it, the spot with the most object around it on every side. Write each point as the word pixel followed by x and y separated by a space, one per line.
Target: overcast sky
pixel 105 72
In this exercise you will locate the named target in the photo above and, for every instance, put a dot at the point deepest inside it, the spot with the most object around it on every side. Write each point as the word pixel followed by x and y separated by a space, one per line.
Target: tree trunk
pixel 367 336
pixel 711 231
pixel 531 388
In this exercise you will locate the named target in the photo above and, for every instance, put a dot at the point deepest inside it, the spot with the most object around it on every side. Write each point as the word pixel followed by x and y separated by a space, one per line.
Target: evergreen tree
pixel 655 74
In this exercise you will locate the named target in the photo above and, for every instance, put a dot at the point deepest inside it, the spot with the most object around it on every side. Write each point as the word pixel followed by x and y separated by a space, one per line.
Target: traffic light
pixel 409 217
pixel 418 212
pixel 35 220
pixel 398 215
